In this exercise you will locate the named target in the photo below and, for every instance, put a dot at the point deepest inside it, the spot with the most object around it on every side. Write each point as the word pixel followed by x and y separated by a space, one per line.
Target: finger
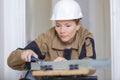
pixel 34 54
pixel 26 56
pixel 64 59
pixel 29 58
pixel 55 60
pixel 29 54
pixel 23 56
pixel 58 59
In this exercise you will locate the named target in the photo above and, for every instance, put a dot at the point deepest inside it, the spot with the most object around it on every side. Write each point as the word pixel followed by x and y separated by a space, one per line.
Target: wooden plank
pixel 60 72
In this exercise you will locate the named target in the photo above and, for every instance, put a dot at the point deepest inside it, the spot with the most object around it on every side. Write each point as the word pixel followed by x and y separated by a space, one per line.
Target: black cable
pixel 26 74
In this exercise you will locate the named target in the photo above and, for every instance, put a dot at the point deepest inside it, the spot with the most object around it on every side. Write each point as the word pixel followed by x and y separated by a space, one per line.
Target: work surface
pixel 49 70
pixel 63 75
pixel 65 68
pixel 60 72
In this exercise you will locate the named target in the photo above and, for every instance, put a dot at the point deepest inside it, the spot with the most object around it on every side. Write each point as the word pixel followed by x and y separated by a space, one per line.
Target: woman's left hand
pixel 60 59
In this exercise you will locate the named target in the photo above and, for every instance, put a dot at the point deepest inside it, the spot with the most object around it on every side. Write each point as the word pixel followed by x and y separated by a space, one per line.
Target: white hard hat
pixel 66 10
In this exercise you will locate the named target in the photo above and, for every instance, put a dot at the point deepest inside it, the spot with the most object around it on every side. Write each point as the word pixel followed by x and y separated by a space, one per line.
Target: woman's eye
pixel 57 26
pixel 68 26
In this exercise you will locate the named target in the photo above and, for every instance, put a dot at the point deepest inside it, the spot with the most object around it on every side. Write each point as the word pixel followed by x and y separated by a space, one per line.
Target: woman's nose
pixel 62 30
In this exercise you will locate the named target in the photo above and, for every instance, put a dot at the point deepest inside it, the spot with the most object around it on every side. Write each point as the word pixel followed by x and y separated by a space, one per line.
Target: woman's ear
pixel 78 26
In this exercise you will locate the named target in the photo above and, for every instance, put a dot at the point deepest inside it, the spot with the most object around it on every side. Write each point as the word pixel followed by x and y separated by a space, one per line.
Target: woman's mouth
pixel 63 36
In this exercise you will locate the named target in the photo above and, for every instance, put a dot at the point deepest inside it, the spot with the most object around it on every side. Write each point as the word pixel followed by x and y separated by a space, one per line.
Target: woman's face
pixel 66 30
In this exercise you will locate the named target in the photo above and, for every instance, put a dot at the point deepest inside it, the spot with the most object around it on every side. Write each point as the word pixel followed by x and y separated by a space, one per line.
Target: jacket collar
pixel 58 44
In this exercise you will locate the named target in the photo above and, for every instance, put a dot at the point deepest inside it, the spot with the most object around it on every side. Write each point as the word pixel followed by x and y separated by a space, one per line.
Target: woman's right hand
pixel 26 55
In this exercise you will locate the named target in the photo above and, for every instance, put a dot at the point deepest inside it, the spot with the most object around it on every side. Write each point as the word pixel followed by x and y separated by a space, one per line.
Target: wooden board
pixel 60 72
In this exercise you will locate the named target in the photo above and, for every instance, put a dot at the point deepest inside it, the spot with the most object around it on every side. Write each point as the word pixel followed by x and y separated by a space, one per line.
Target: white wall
pixel 115 38
pixel 1 41
pixel 12 33
pixel 38 17
pixel 99 18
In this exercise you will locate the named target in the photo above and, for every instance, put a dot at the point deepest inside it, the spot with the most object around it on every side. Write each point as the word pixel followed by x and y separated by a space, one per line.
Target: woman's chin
pixel 64 41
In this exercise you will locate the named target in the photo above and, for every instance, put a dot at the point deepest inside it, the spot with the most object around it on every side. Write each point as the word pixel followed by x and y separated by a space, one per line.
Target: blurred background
pixel 23 20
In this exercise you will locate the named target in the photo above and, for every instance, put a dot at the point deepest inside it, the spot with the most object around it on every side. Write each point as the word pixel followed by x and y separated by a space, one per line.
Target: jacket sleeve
pixel 90 48
pixel 14 59
pixel 90 51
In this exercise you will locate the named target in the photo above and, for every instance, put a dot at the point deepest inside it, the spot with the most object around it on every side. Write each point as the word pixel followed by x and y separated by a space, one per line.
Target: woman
pixel 68 40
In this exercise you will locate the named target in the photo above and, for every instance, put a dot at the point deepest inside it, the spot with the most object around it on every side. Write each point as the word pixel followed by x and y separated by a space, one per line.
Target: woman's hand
pixel 26 55
pixel 60 59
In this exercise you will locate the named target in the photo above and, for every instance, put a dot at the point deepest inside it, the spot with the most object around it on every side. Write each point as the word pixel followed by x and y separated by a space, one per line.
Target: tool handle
pixel 33 59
